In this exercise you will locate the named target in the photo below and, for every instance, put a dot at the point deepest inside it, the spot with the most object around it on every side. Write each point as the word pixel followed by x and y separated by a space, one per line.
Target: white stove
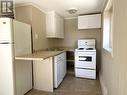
pixel 85 59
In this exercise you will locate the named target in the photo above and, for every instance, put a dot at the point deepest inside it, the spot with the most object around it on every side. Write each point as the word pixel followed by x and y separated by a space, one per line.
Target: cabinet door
pixel 59 69
pixel 59 26
pixel 22 38
pixel 89 21
pixel 43 75
pixel 94 21
pixel 50 25
pixel 59 73
pixel 64 64
pixel 82 22
pixel 54 25
pixel 23 69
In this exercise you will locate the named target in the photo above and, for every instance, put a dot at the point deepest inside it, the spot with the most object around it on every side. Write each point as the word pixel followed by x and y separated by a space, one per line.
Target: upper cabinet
pixel 89 21
pixel 54 25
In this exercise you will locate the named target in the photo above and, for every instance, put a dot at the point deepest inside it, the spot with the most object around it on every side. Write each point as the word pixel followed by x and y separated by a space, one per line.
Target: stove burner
pixel 85 48
pixel 80 48
pixel 89 48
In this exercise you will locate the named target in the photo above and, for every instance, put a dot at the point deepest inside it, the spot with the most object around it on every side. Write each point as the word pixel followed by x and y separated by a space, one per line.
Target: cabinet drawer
pixel 59 57
pixel 85 73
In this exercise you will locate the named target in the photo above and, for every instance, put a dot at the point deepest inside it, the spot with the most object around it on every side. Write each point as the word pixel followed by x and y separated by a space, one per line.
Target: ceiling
pixel 61 6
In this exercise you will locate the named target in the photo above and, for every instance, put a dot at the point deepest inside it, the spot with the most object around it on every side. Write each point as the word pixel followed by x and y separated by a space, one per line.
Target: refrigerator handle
pixel 7 43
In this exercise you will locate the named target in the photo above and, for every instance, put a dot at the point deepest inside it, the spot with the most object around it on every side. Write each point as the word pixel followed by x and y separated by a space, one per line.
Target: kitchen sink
pixel 54 49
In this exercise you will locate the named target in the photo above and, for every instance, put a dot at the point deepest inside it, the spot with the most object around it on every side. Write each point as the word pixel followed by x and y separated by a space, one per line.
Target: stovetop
pixel 86 45
pixel 85 49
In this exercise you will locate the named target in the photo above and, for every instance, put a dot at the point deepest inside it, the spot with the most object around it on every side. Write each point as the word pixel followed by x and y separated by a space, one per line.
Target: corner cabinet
pixel 54 25
pixel 89 21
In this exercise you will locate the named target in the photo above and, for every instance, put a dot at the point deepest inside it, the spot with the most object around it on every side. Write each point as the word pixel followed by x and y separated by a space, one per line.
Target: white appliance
pixel 23 69
pixel 85 59
pixel 14 42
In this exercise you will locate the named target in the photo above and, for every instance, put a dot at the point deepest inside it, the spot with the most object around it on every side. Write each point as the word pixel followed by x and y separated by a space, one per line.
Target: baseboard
pixel 103 87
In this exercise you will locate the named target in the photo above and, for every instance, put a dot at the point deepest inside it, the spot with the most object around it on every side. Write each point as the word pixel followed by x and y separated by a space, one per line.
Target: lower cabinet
pixel 60 68
pixel 49 73
pixel 23 76
pixel 43 74
pixel 58 77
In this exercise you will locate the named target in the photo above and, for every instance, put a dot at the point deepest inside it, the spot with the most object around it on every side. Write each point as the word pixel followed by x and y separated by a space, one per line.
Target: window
pixel 7 8
pixel 108 27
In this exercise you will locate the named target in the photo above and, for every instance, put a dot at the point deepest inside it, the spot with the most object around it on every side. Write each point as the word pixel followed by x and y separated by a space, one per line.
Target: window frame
pixel 108 27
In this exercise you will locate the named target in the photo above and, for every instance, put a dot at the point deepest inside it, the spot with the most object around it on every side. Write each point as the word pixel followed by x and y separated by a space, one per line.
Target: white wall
pixel 114 69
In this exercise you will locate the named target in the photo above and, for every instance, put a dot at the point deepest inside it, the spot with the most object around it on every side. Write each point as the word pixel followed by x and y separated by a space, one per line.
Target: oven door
pixel 85 60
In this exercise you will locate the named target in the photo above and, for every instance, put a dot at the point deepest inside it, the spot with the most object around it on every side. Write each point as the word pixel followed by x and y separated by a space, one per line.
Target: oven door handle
pixel 82 60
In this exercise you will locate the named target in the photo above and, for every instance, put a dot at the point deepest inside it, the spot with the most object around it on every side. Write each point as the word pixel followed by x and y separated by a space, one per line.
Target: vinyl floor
pixel 73 86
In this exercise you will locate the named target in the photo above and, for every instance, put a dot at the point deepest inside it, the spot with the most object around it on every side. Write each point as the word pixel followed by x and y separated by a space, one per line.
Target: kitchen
pixel 31 14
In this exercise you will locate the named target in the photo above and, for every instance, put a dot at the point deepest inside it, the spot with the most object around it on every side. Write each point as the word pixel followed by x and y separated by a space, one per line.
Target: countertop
pixel 39 55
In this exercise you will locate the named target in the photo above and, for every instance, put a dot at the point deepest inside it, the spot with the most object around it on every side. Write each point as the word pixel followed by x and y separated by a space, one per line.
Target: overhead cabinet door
pixel 89 21
pixel 54 25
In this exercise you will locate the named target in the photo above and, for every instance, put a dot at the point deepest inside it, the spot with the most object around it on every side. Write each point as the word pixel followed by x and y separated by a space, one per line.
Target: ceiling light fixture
pixel 72 10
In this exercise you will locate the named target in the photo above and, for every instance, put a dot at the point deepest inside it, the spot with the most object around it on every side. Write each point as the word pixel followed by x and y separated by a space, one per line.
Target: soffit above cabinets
pixel 61 6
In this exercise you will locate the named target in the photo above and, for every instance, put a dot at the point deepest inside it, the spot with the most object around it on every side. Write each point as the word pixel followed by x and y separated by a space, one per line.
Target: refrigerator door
pixel 6 70
pixel 23 69
pixel 22 38
pixel 6 30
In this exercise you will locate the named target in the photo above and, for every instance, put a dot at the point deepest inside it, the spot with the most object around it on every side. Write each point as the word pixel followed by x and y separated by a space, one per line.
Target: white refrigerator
pixel 15 39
